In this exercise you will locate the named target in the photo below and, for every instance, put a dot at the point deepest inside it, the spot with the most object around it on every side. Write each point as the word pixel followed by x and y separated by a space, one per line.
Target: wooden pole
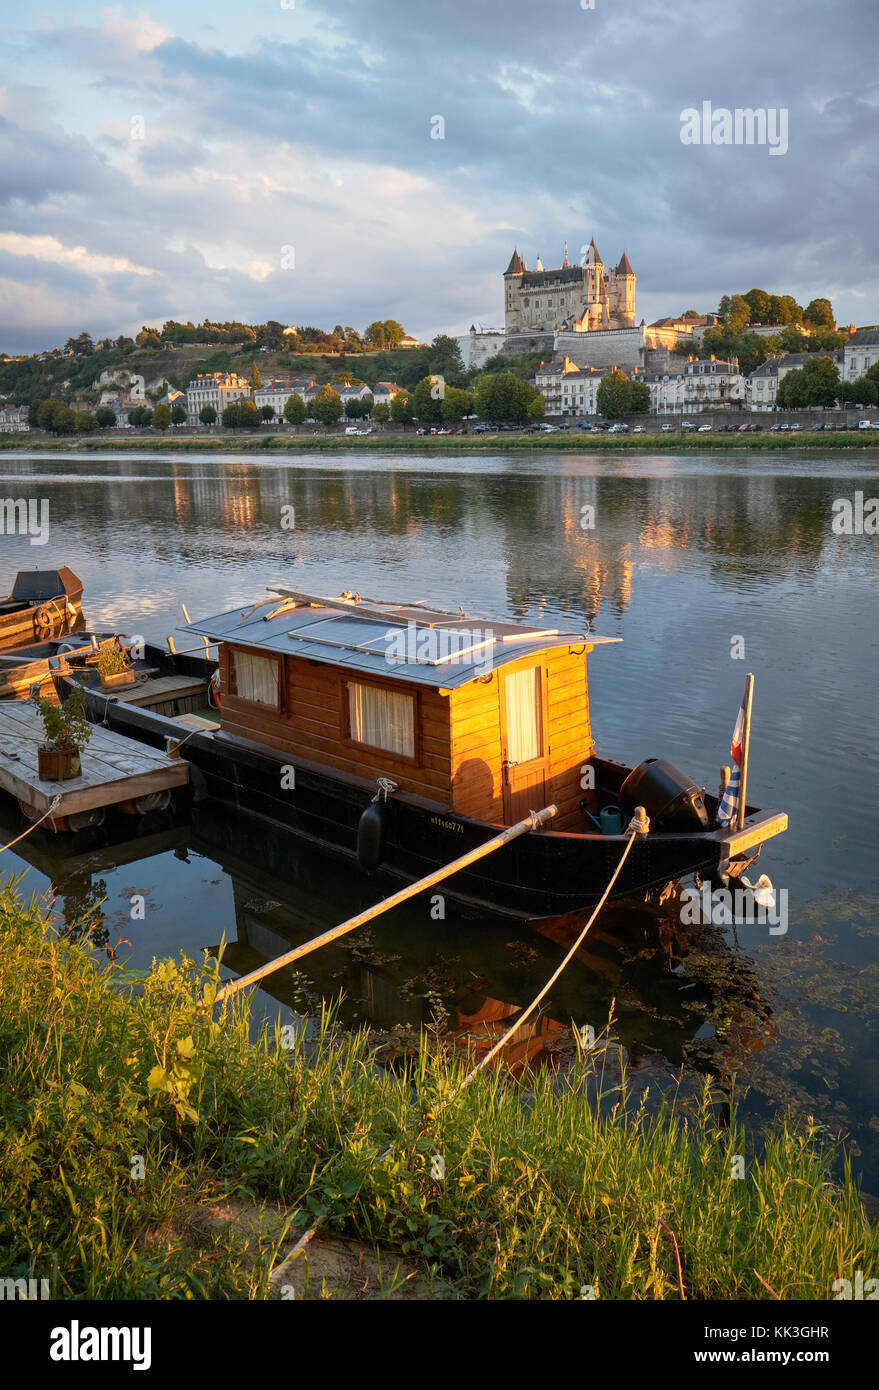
pixel 746 741
pixel 532 821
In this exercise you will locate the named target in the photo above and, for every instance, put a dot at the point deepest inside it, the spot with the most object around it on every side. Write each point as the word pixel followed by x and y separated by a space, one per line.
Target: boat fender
pixel 214 690
pixel 371 835
pixel 42 619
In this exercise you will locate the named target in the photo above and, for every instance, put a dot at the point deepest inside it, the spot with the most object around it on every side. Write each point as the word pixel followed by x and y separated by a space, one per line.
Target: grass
pixel 545 1193
pixel 233 442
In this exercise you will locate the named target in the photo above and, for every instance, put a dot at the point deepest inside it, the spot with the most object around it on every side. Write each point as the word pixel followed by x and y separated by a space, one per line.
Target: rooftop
pixel 407 642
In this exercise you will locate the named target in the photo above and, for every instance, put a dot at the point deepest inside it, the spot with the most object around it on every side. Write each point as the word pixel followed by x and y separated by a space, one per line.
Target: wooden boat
pixel 21 668
pixel 404 737
pixel 42 604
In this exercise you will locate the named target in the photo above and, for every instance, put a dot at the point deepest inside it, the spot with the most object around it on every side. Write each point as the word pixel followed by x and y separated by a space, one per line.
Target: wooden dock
pixel 114 769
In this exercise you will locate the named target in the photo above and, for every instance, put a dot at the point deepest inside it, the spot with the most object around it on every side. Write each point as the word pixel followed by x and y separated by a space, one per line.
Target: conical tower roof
pixel 516 266
pixel 624 268
pixel 598 260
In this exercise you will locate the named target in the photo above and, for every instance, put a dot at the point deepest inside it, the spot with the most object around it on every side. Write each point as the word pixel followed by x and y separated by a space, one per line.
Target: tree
pixel 504 398
pixel 815 383
pixel 178 414
pixel 33 414
pixel 380 412
pixel 81 346
pixel 455 405
pixel 759 302
pixel 56 417
pixel 295 409
pixel 820 313
pixel 790 309
pixel 267 412
pixel 402 412
pixel 739 315
pixel 207 415
pixel 353 342
pixel 272 336
pixel 255 378
pixel 84 421
pixel 691 314
pixel 105 417
pixel 148 338
pixel 327 406
pixel 640 398
pixel 427 400
pixel 864 391
pixel 374 335
pixel 146 416
pixel 248 415
pixel 231 417
pixel 393 332
pixel 445 359
pixel 356 409
pixel 614 396
pixel 161 417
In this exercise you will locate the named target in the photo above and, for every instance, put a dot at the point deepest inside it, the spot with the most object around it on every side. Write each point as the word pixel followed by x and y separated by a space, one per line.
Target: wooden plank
pixel 161 688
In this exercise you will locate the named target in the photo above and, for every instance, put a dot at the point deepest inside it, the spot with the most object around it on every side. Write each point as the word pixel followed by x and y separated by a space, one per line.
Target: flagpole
pixel 746 740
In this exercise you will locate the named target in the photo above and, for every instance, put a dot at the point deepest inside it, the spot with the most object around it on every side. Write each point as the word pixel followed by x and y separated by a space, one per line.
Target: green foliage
pixel 820 313
pixel 380 412
pixel 295 409
pixel 105 417
pixel 249 417
pixel 161 417
pixel 84 422
pixel 231 416
pixel 616 396
pixel 815 383
pixel 427 400
pixel 455 405
pixel 326 406
pixel 357 410
pixel 255 378
pixel 864 391
pixel 65 725
pixel 178 414
pixel 402 409
pixel 207 415
pixel 523 365
pixel 561 1182
pixel 503 398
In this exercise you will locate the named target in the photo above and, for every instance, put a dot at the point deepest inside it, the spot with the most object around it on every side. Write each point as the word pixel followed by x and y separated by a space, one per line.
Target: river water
pixel 707 567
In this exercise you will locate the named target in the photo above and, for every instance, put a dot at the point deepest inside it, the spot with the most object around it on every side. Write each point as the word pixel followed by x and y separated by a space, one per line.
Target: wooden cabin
pixel 487 719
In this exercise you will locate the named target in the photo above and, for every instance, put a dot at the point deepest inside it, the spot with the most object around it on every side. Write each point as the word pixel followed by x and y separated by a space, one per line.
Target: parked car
pixel 687 425
pixel 637 429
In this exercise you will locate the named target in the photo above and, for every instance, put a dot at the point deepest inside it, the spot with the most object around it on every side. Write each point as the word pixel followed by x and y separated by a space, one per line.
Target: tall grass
pixel 545 1193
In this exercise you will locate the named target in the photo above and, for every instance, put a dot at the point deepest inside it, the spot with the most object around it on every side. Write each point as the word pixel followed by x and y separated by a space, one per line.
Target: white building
pixel 479 344
pixel 711 382
pixel 762 384
pixel 276 393
pixel 14 419
pixel 568 389
pixel 861 352
pixel 384 392
pixel 218 389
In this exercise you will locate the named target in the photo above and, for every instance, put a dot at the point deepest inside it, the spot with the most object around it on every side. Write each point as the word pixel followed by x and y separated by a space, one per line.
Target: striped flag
pixel 728 810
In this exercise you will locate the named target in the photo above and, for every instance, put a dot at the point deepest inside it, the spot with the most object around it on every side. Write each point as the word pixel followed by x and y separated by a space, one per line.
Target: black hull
pixel 540 875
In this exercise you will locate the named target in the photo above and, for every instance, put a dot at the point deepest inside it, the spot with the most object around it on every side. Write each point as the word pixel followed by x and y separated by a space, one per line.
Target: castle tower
pixel 621 292
pixel 512 283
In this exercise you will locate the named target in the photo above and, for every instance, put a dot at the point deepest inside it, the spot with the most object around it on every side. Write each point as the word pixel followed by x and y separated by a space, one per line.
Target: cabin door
pixel 523 736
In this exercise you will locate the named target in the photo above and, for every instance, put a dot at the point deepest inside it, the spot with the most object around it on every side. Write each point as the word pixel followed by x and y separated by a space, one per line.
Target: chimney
pixel 712 357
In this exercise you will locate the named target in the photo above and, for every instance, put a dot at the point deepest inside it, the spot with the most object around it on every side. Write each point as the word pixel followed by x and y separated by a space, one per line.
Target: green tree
pixel 374 335
pixel 739 315
pixel 455 405
pixel 864 391
pixel 231 417
pixel 207 415
pixel 255 378
pixel 640 398
pixel 248 416
pixel 105 417
pixel 791 310
pixel 148 338
pixel 380 412
pixel 503 398
pixel 760 303
pixel 820 313
pixel 267 412
pixel 393 332
pixel 327 406
pixel 84 421
pixel 295 409
pixel 357 410
pixel 402 410
pixel 161 417
pixel 178 414
pixel 427 400
pixel 55 417
pixel 614 396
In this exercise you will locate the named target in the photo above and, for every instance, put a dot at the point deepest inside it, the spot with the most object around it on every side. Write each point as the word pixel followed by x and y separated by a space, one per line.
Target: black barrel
pixel 671 799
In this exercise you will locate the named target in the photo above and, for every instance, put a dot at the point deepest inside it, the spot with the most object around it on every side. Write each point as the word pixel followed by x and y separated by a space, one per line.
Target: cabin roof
pixel 408 642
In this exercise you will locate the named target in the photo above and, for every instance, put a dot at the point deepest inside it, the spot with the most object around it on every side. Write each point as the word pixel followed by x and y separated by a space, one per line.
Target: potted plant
pixel 114 668
pixel 67 731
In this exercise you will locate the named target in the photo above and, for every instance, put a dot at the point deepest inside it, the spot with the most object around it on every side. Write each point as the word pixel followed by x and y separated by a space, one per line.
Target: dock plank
pixel 114 768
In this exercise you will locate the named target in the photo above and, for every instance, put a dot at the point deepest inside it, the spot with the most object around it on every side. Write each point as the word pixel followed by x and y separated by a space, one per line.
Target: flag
pixel 728 810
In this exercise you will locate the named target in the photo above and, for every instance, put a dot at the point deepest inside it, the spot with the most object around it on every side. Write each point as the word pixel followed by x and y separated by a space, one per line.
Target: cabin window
pixel 382 718
pixel 254 678
pixel 524 740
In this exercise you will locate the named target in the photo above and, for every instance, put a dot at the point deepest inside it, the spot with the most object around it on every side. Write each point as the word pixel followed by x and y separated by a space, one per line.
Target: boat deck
pixel 114 768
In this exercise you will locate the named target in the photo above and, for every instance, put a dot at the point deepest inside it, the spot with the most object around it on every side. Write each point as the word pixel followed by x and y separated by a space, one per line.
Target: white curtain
pixel 382 719
pixel 523 715
pixel 255 678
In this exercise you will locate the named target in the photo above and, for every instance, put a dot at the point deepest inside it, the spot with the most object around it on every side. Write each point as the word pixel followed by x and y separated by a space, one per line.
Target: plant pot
pixel 118 679
pixel 58 764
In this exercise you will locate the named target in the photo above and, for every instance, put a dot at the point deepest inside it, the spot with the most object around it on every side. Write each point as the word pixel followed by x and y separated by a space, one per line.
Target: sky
pixel 335 163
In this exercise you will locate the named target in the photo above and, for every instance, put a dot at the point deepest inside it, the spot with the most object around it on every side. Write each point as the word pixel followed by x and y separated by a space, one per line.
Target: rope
pixel 56 802
pixel 636 827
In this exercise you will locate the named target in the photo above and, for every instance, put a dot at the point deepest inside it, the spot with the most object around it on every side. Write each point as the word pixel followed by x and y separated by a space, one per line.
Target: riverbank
pixel 507 442
pixel 152 1149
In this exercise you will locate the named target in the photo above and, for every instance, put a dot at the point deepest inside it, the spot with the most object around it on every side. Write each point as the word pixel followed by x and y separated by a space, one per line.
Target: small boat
pixel 21 668
pixel 403 737
pixel 42 604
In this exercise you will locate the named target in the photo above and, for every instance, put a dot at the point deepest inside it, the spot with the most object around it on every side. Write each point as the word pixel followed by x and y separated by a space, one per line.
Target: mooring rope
pixel 637 826
pixel 56 802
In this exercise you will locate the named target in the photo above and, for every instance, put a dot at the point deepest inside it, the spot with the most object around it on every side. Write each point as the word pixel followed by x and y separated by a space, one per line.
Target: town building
pixel 218 389
pixel 568 389
pixel 860 353
pixel 580 298
pixel 14 419
pixel 277 392
pixel 383 392
pixel 479 344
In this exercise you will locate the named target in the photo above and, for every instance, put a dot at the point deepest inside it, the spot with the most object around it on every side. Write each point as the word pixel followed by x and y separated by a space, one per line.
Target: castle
pixel 574 298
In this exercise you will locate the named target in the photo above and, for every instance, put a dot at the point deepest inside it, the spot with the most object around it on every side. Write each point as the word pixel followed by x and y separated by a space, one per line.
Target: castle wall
pixel 609 347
